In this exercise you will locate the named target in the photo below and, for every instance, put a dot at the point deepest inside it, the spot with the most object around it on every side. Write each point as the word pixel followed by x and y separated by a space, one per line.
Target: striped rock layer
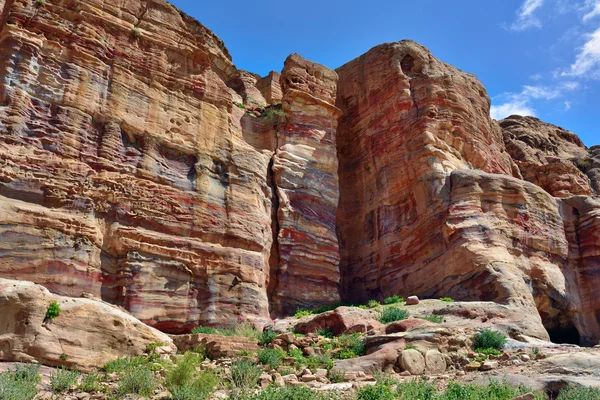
pixel 139 166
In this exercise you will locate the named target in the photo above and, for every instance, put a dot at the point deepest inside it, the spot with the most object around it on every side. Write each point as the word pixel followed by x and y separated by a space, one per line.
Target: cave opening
pixel 564 335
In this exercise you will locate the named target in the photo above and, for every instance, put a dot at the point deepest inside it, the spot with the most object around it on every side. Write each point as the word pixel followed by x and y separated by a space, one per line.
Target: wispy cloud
pixel 526 17
pixel 567 105
pixel 520 103
pixel 595 12
pixel 587 62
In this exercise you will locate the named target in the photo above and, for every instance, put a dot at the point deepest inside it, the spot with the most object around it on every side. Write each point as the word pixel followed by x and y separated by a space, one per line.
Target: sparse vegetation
pixel 351 346
pixel 274 114
pixel 136 33
pixel 578 393
pixel 53 311
pixel 20 383
pixel 325 332
pixel 377 392
pixel 394 300
pixel 392 314
pixel 302 313
pixel 246 329
pixel 62 380
pixel 489 351
pixel 336 376
pixel 489 339
pixel 437 319
pixel 186 383
pixel 271 357
pixel 447 299
pixel 90 383
pixel 153 346
pixel 266 337
pixel 373 304
pixel 582 165
pixel 139 380
pixel 244 374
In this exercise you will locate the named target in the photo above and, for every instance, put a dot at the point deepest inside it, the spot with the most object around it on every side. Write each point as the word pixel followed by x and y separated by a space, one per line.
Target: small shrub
pixel 240 105
pixel 40 3
pixel 266 337
pixel 274 115
pixel 489 351
pixel 184 371
pixel 150 347
pixel 535 351
pixel 53 311
pixel 489 338
pixel 373 304
pixel 271 357
pixel 393 300
pixel 384 378
pixel 363 307
pixel 138 380
pixel 337 376
pixel 302 313
pixel 346 354
pixel 204 330
pixel 322 361
pixel 409 347
pixel 245 353
pixel 437 319
pixel 376 392
pixel 246 330
pixel 62 380
pixel 299 334
pixel 447 299
pixel 124 363
pixel 20 383
pixel 325 332
pixel 417 389
pixel 579 393
pixel 352 343
pixel 393 314
pixel 63 357
pixel 289 393
pixel 296 353
pixel 90 383
pixel 244 374
pixel 136 33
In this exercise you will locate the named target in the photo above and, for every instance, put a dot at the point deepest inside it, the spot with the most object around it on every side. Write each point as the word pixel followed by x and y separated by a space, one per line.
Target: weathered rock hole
pixel 564 335
pixel 407 64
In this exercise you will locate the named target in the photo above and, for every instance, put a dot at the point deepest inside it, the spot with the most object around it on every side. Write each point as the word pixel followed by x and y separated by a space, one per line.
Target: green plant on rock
pixel 186 383
pixel 244 374
pixel 53 311
pixel 417 389
pixel 373 304
pixel 376 392
pixel 325 332
pixel 336 376
pixel 489 351
pixel 124 363
pixel 351 344
pixel 274 114
pixel 90 383
pixel 150 347
pixel 266 337
pixel 184 371
pixel 271 357
pixel 393 300
pixel 437 319
pixel 447 299
pixel 489 338
pixel 39 3
pixel 302 313
pixel 288 393
pixel 62 380
pixel 136 33
pixel 392 314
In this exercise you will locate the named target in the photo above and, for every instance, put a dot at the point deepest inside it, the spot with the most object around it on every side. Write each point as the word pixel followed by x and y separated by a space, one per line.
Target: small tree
pixel 53 311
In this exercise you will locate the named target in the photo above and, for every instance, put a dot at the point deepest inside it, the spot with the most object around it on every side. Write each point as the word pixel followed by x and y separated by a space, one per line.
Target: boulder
pixel 404 325
pixel 412 301
pixel 435 362
pixel 85 335
pixel 342 320
pixel 412 361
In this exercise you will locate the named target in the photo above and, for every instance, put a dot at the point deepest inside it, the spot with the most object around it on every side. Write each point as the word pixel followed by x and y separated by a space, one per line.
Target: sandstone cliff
pixel 141 167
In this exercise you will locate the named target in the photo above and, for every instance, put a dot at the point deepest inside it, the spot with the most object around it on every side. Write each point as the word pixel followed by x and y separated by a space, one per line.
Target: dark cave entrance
pixel 564 335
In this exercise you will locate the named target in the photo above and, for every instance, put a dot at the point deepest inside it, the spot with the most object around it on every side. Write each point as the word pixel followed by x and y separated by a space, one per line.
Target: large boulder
pixel 342 320
pixel 85 335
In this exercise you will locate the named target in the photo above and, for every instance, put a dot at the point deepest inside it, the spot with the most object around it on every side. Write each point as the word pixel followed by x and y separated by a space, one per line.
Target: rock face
pixel 86 334
pixel 138 165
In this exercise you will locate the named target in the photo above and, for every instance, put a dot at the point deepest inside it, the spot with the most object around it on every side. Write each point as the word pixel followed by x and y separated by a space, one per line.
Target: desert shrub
pixel 271 357
pixel 353 343
pixel 489 338
pixel 393 314
pixel 150 347
pixel 288 393
pixel 325 332
pixel 376 392
pixel 244 374
pixel 274 114
pixel 204 330
pixel 494 390
pixel 20 383
pixel 184 371
pixel 409 347
pixel 373 304
pixel 393 300
pixel 136 33
pixel 438 319
pixel 336 376
pixel 138 380
pixel 40 3
pixel 90 383
pixel 124 363
pixel 579 393
pixel 302 313
pixel 246 329
pixel 417 389
pixel 489 351
pixel 321 361
pixel 266 337
pixel 62 380
pixel 447 299
pixel 53 310
pixel 298 356
pixel 200 387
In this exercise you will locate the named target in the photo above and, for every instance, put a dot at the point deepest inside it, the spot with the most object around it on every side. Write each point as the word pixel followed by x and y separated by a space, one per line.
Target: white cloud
pixel 526 16
pixel 567 105
pixel 587 62
pixel 520 103
pixel 536 77
pixel 595 12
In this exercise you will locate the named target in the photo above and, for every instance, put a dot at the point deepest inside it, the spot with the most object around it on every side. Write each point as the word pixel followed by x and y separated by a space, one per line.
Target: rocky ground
pixel 341 353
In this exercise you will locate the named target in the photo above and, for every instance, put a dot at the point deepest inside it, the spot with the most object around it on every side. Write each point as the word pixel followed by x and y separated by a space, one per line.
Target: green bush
pixel 489 338
pixel 447 299
pixel 274 114
pixel 352 343
pixel 200 387
pixel 184 372
pixel 373 304
pixel 393 314
pixel 53 310
pixel 489 351
pixel 302 313
pixel 579 393
pixel 288 393
pixel 393 300
pixel 20 383
pixel 244 374
pixel 494 390
pixel 417 389
pixel 376 392
pixel 271 357
pixel 266 337
pixel 90 383
pixel 346 354
pixel 150 347
pixel 325 332
pixel 139 380
pixel 438 319
pixel 336 376
pixel 62 380
pixel 136 33
pixel 124 363
pixel 321 361
pixel 204 330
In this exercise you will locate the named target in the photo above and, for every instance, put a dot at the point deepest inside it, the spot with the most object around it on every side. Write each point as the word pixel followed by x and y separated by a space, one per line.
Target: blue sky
pixel 535 57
